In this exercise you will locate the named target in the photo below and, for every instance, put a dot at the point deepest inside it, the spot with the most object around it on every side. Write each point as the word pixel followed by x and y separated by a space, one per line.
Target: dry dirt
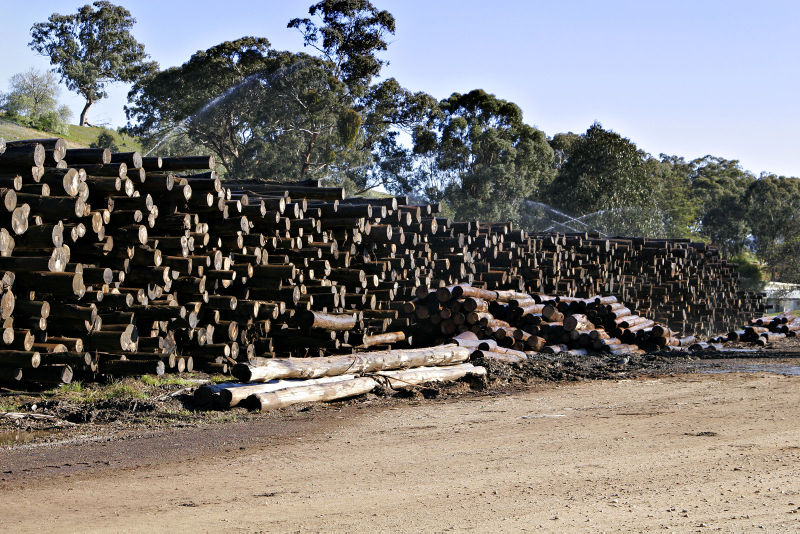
pixel 701 452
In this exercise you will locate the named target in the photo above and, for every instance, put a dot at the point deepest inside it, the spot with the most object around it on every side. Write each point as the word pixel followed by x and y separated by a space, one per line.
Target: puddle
pixel 18 437
pixel 738 366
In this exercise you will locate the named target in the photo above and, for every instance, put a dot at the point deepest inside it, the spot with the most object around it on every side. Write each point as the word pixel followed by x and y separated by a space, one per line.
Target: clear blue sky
pixel 681 77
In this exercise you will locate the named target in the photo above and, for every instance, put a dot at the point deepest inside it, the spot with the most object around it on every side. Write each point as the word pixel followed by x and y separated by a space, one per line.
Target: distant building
pixel 781 296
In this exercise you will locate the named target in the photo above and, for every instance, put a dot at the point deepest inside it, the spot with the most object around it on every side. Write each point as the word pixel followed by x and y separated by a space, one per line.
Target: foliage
pixel 105 140
pixel 750 270
pixel 718 186
pixel 263 113
pixel 607 176
pixel 92 48
pixel 477 153
pixel 391 114
pixel 32 94
pixel 772 207
pixel 563 145
pixel 784 261
pixel 348 34
pixel 32 102
pixel 51 121
pixel 672 187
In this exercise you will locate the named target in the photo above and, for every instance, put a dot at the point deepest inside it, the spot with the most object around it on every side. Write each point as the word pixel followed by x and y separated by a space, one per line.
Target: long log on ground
pixel 365 362
pixel 407 378
pixel 230 395
pixel 315 393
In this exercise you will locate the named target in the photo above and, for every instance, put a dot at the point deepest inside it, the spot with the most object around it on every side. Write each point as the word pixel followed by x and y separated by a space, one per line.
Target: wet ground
pixel 785 367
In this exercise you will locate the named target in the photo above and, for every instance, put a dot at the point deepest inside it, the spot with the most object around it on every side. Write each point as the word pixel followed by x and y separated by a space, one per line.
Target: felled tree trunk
pixel 407 378
pixel 365 362
pixel 316 393
pixel 399 379
pixel 233 394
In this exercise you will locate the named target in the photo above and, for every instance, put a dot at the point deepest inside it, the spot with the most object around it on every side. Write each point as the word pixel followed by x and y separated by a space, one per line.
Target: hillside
pixel 79 136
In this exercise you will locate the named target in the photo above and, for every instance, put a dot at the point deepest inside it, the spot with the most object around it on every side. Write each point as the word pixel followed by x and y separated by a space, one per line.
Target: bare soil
pixel 686 453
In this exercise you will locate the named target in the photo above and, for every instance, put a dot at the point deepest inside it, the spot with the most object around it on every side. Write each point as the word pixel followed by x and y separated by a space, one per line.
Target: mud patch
pixel 558 367
pixel 104 411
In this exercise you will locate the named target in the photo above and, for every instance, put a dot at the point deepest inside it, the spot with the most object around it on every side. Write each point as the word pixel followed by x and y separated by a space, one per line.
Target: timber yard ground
pixel 679 445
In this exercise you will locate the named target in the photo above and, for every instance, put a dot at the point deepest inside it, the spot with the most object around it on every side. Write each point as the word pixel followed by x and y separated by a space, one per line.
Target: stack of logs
pixel 281 382
pixel 763 330
pixel 512 323
pixel 117 264
pixel 687 286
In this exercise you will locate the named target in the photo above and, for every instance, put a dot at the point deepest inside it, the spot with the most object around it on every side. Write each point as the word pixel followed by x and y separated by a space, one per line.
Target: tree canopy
pixel 92 48
pixel 263 112
pixel 606 175
pixel 32 93
pixel 32 102
pixel 478 154
pixel 349 34
pixel 718 186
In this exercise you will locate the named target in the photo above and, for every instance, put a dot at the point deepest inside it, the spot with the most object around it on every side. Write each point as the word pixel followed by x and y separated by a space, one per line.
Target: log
pixel 408 378
pixel 313 393
pixel 365 362
pixel 231 395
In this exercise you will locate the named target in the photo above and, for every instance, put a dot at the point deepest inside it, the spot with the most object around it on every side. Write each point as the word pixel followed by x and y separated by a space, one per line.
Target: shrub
pixel 105 140
pixel 51 121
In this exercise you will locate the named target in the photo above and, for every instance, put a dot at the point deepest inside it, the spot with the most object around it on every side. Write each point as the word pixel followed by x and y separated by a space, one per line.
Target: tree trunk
pixel 364 362
pixel 307 159
pixel 82 121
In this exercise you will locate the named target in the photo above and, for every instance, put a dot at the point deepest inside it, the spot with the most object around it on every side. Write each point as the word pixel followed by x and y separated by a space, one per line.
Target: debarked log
pixel 314 393
pixel 365 362
pixel 408 378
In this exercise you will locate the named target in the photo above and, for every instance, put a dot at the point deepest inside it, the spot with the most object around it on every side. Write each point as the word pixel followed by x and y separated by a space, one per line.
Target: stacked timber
pixel 512 323
pixel 763 330
pixel 118 264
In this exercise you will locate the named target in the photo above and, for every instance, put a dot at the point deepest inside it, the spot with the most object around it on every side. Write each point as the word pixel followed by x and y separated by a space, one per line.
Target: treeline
pixel 328 114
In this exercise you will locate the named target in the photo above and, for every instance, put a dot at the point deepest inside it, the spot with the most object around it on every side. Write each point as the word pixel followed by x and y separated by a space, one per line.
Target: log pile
pixel 511 323
pixel 282 382
pixel 118 264
pixel 763 330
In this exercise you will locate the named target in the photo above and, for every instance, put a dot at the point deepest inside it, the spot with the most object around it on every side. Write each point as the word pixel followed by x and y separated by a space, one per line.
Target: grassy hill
pixel 78 137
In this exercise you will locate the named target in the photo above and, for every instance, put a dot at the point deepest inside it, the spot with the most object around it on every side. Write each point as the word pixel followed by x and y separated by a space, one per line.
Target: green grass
pixel 85 135
pixel 144 387
pixel 375 194
pixel 156 381
pixel 79 136
pixel 218 379
pixel 86 394
pixel 10 406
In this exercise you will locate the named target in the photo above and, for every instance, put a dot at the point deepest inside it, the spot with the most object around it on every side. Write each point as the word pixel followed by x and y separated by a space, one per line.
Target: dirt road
pixel 688 453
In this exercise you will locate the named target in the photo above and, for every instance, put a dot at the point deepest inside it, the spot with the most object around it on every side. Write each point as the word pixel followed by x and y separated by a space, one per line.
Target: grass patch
pixel 78 137
pixel 218 379
pixel 72 387
pixel 10 406
pixel 85 135
pixel 166 380
pixel 121 390
pixel 87 394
